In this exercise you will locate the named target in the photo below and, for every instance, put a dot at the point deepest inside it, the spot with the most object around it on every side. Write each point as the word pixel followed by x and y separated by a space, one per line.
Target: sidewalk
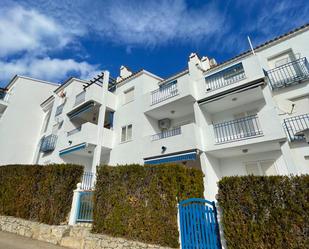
pixel 13 241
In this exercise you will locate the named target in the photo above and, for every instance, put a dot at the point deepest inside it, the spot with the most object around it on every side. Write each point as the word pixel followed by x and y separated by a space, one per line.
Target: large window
pixel 128 96
pixel 126 133
pixel 261 168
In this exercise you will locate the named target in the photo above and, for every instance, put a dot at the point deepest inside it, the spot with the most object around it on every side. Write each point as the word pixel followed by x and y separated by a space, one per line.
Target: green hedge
pixel 38 193
pixel 140 202
pixel 265 212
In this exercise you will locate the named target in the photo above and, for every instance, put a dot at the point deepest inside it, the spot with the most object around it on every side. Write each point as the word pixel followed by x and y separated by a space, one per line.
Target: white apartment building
pixel 248 115
pixel 21 118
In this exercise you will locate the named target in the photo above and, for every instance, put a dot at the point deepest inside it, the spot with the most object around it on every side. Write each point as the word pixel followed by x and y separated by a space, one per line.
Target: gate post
pixel 75 204
pixel 221 231
pixel 178 223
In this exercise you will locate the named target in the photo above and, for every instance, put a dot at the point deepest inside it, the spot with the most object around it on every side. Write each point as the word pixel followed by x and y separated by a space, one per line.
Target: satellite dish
pixel 285 105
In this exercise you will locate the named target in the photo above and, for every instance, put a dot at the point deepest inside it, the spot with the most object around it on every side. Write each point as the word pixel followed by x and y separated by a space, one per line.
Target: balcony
pixel 165 134
pixel 178 139
pixel 288 74
pixel 225 77
pixel 296 127
pixel 88 133
pixel 48 143
pixel 94 94
pixel 165 91
pixel 237 129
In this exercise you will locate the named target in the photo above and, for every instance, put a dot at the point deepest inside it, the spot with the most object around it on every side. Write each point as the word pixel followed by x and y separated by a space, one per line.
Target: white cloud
pixel 23 30
pixel 47 68
pixel 27 37
pixel 137 23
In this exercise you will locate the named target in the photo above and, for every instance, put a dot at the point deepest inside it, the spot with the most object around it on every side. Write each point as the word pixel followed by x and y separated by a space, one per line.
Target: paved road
pixel 13 241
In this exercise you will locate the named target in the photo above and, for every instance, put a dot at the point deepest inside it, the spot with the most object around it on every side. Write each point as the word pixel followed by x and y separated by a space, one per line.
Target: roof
pixel 68 82
pixel 13 80
pixel 243 54
pixel 136 74
pixel 265 44
pixel 173 76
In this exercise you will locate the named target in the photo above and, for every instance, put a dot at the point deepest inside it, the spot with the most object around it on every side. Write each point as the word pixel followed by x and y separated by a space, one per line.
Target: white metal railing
pixel 80 98
pixel 87 181
pixel 295 125
pixel 288 74
pixel 165 134
pixel 237 129
pixel 165 91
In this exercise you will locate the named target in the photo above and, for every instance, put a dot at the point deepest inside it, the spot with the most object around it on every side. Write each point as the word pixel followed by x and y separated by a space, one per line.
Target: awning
pixel 185 156
pixel 81 109
pixel 73 148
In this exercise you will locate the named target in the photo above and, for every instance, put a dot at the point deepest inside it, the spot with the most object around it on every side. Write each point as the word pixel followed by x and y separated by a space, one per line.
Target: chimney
pixel 205 63
pixel 213 62
pixel 125 72
pixel 195 66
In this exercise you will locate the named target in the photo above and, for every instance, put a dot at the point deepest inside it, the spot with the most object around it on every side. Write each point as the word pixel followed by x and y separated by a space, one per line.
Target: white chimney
pixel 213 62
pixel 205 63
pixel 195 66
pixel 124 73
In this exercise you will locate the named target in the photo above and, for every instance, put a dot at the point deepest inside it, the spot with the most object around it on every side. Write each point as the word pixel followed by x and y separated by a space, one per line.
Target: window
pixel 126 133
pixel 261 168
pixel 59 109
pixel 128 96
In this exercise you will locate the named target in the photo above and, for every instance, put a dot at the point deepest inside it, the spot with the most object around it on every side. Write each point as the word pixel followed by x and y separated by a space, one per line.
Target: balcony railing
pixel 165 134
pixel 295 125
pixel 288 74
pixel 71 132
pixel 165 91
pixel 237 129
pixel 80 98
pixel 225 77
pixel 48 143
pixel 59 109
pixel 87 181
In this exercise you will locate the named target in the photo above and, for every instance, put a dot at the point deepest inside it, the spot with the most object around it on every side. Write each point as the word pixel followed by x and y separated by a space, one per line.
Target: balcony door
pixel 246 124
pixel 288 69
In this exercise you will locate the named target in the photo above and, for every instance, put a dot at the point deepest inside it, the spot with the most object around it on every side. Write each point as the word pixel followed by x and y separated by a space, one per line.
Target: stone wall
pixel 76 237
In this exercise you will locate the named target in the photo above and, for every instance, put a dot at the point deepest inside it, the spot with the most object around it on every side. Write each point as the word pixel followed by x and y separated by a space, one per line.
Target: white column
pixel 75 204
pixel 101 118
pixel 211 169
pixel 288 158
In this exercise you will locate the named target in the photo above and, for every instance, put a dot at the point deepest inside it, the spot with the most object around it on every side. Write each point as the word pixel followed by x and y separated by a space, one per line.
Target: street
pixel 13 241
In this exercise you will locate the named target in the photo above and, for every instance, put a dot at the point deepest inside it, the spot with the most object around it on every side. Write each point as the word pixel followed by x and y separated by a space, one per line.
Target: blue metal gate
pixel 198 224
pixel 85 207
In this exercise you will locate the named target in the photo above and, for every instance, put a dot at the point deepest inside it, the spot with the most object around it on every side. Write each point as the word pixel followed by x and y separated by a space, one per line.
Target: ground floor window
pixel 261 168
pixel 126 133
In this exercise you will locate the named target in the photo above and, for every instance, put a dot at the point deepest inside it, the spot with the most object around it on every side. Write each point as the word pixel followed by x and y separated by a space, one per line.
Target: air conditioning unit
pixel 164 124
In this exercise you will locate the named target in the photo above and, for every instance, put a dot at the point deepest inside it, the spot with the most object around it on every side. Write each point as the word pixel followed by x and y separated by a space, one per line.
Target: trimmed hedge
pixel 265 212
pixel 140 202
pixel 38 193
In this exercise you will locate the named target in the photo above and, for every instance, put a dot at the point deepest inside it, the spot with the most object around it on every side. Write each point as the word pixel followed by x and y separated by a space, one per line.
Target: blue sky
pixel 56 39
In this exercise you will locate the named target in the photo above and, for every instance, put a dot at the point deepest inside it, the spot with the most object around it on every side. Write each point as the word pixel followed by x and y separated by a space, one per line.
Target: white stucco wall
pixel 21 122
